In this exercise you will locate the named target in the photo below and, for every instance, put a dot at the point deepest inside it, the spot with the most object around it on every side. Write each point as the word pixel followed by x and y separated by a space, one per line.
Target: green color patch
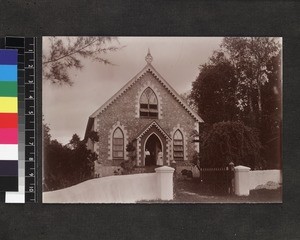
pixel 8 89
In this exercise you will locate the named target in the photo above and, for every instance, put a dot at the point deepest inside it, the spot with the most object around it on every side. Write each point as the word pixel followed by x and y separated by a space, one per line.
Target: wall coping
pixel 164 169
pixel 241 168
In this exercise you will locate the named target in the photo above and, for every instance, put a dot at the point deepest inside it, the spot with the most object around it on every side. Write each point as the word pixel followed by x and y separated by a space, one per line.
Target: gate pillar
pixel 241 180
pixel 165 182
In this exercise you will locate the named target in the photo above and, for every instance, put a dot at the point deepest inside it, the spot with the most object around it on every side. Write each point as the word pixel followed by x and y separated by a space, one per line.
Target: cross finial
pixel 149 57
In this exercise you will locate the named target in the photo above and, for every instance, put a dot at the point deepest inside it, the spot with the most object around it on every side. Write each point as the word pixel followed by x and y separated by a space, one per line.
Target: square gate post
pixel 241 180
pixel 165 182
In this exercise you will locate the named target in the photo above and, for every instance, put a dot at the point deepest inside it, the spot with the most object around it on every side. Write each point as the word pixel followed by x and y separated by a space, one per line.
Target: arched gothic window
pixel 178 146
pixel 118 144
pixel 148 104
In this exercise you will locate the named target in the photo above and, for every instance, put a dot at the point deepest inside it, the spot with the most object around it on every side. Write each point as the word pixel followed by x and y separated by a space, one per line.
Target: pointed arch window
pixel 148 104
pixel 118 144
pixel 178 146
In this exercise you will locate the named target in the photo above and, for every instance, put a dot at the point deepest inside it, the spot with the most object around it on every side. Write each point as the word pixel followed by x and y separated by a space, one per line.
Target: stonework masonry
pixel 124 112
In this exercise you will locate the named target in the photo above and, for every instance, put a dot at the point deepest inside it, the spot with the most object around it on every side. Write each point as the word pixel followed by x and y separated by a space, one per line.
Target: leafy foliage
pixel 66 53
pixel 271 114
pixel 74 142
pixel 196 159
pixel 67 165
pixel 93 135
pixel 214 92
pixel 226 142
pixel 250 57
pixel 242 82
pixel 187 98
pixel 129 165
pixel 229 86
pixel 130 147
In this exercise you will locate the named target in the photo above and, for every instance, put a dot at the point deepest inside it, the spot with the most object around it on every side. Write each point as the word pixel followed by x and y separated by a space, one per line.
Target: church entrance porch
pixel 153 147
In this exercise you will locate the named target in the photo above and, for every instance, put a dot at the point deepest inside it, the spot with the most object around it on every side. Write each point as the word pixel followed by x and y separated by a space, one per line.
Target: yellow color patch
pixel 8 105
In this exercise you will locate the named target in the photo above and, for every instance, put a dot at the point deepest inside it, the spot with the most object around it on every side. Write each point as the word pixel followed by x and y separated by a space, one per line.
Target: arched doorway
pixel 153 146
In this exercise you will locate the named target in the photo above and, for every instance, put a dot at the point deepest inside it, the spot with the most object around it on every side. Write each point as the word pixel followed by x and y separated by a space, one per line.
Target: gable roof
pixel 128 85
pixel 88 128
pixel 147 128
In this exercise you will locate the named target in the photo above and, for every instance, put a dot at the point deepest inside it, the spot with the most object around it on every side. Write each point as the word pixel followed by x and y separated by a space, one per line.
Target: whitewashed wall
pixel 112 189
pixel 262 177
pixel 246 180
pixel 118 189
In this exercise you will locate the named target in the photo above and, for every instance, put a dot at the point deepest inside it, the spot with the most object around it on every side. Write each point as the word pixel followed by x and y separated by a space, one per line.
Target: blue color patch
pixel 8 72
pixel 8 57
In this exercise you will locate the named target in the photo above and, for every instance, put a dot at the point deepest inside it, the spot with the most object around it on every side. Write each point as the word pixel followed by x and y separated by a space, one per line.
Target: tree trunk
pixel 250 102
pixel 259 99
pixel 252 116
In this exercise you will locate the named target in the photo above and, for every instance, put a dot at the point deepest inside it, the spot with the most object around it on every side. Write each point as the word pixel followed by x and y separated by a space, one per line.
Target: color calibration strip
pixel 8 120
pixel 26 119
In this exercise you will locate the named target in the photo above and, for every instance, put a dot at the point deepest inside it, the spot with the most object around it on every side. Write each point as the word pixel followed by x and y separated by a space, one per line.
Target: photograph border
pixel 178 18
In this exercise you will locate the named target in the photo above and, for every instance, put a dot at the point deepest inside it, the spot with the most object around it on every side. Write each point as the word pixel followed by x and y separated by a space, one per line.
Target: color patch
pixel 8 168
pixel 8 105
pixel 8 136
pixel 9 152
pixel 8 57
pixel 8 120
pixel 9 183
pixel 8 72
pixel 8 89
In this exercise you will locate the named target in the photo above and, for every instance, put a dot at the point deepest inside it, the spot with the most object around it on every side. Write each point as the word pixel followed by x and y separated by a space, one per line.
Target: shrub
pixel 129 165
pixel 226 142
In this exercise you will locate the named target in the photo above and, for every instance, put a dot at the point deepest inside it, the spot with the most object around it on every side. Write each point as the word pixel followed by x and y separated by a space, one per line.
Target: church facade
pixel 151 115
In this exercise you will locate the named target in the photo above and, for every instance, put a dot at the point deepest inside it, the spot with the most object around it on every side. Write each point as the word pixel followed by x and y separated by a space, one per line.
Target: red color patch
pixel 8 120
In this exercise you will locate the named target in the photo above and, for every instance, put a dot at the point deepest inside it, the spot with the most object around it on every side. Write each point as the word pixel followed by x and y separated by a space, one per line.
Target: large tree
pixel 250 57
pixel 225 142
pixel 242 81
pixel 214 90
pixel 272 113
pixel 240 68
pixel 61 54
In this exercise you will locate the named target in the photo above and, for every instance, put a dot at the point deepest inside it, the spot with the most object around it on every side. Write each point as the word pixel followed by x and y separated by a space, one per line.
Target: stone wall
pixel 104 171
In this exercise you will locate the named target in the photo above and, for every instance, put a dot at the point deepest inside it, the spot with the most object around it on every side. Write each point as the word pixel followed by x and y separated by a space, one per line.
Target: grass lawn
pixel 194 191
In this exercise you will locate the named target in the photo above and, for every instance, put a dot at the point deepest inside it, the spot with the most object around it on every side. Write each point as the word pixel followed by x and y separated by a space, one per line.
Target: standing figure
pixel 147 157
pixel 159 161
pixel 231 179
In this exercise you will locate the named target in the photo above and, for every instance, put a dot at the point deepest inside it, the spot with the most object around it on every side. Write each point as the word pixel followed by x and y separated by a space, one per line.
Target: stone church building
pixel 151 115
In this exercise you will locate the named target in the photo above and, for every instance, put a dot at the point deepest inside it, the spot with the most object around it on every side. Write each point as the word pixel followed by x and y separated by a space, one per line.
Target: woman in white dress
pixel 159 161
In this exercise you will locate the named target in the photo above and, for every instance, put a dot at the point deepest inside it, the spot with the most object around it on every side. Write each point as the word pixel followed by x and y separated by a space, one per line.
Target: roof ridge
pixel 156 74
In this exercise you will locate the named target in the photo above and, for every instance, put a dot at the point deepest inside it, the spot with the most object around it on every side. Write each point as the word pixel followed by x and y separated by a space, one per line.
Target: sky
pixel 66 109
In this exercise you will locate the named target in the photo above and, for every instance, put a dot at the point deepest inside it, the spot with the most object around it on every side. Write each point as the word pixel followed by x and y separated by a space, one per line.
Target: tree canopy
pixel 214 92
pixel 236 74
pixel 242 82
pixel 225 142
pixel 66 165
pixel 61 54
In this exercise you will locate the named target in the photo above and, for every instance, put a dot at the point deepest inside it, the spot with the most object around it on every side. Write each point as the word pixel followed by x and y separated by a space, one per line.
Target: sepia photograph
pixel 162 119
